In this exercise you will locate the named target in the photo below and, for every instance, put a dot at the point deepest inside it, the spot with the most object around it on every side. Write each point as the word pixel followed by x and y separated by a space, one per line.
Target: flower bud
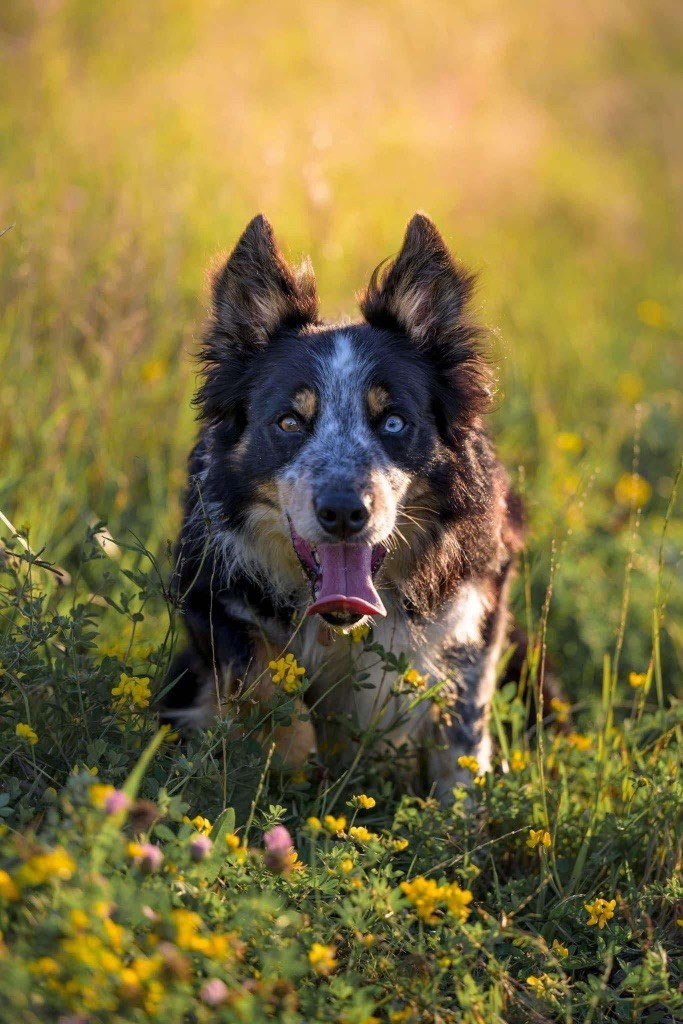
pixel 200 847
pixel 214 992
pixel 116 802
pixel 279 849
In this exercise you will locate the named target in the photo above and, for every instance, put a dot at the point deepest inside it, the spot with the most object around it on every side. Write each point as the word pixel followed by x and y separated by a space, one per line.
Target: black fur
pixel 436 478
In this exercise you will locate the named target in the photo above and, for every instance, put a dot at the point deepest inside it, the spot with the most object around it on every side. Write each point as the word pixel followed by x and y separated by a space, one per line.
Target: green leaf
pixel 223 825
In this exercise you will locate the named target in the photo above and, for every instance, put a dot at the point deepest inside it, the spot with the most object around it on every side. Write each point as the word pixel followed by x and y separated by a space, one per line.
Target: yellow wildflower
pixel 153 996
pixel 424 894
pixel 629 387
pixel 43 867
pixel 286 672
pixel 519 759
pixel 25 732
pixel 232 841
pixel 361 834
pixel 114 649
pixel 154 370
pixel 98 794
pixel 568 442
pixel 220 945
pixel 334 825
pixel 203 825
pixel 558 948
pixel 653 313
pixel 538 837
pixel 579 741
pixel 187 928
pixel 637 679
pixel 457 901
pixel 540 985
pixel 400 844
pixel 359 633
pixel 471 763
pixel 346 866
pixel 600 911
pixel 293 863
pixel 115 934
pixel 322 959
pixel 45 965
pixel 129 984
pixel 131 691
pixel 561 709
pixel 570 484
pixel 8 889
pixel 314 824
pixel 413 678
pixel 632 490
pixel 79 920
pixel 366 802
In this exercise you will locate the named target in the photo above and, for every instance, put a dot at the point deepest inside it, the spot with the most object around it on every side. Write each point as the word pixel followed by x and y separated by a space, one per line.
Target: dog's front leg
pixel 462 732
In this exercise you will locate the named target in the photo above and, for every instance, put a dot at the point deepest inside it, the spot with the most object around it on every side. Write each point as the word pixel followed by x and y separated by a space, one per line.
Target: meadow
pixel 141 880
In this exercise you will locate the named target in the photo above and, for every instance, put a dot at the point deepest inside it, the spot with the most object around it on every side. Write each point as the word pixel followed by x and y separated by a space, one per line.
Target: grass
pixel 135 141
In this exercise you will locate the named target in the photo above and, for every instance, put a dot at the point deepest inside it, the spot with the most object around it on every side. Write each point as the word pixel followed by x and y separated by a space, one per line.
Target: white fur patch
pixel 466 614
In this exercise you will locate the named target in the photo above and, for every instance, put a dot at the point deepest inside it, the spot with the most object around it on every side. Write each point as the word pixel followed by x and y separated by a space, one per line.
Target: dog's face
pixel 339 421
pixel 330 444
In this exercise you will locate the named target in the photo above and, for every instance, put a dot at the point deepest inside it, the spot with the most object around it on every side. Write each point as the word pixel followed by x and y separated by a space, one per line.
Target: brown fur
pixel 378 400
pixel 305 402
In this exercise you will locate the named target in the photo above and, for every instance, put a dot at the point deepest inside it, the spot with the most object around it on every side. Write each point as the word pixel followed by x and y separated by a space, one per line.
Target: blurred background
pixel 546 141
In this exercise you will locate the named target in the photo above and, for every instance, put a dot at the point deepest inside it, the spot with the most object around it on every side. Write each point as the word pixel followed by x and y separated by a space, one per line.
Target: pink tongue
pixel 346 581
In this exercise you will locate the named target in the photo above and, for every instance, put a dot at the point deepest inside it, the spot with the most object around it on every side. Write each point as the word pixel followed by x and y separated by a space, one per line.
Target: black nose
pixel 341 513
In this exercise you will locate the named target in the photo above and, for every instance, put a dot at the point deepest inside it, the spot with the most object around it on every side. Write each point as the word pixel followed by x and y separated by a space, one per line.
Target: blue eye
pixel 393 424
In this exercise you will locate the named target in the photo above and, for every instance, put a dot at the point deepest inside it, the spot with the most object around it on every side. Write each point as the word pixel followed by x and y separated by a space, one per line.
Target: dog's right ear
pixel 257 292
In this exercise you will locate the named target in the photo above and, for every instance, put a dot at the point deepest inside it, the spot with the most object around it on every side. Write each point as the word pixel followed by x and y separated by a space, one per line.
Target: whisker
pixel 416 522
pixel 401 536
pixel 418 508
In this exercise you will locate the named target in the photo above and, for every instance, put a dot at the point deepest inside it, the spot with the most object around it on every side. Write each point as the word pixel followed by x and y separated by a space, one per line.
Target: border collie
pixel 343 477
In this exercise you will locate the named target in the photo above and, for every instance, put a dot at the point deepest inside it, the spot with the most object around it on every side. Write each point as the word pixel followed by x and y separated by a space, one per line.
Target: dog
pixel 343 476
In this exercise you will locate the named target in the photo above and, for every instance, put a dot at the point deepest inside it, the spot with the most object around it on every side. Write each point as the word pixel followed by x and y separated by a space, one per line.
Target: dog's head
pixel 331 448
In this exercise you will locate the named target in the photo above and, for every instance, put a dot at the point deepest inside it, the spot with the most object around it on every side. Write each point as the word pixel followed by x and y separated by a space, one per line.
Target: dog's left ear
pixel 424 293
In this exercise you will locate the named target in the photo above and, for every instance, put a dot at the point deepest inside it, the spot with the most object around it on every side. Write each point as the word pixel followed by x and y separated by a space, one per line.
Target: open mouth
pixel 342 577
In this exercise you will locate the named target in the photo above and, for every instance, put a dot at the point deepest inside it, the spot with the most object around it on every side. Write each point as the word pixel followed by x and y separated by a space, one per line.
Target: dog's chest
pixel 356 681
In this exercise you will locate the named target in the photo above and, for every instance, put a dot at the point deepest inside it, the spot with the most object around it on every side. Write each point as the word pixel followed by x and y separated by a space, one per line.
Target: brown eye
pixel 289 423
